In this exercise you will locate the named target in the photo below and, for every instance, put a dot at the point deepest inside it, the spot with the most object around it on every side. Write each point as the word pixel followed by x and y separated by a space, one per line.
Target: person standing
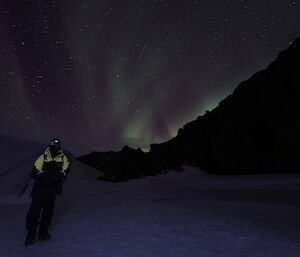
pixel 49 171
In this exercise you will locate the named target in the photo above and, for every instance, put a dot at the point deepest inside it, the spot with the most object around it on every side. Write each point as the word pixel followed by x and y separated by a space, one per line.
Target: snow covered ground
pixel 177 214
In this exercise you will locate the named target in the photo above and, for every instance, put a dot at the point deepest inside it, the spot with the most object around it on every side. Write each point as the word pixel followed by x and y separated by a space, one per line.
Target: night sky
pixel 102 74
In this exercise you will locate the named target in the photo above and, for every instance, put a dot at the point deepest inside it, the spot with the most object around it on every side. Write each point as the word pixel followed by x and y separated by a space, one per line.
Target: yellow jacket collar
pixel 48 153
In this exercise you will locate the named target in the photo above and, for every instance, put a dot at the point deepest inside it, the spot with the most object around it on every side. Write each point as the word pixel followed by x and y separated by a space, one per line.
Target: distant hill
pixel 256 129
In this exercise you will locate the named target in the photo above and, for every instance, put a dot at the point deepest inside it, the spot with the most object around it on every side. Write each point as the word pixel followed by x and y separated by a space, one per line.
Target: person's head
pixel 54 146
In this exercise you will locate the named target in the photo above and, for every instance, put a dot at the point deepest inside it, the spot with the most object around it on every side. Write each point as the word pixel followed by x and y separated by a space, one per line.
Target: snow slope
pixel 16 157
pixel 177 214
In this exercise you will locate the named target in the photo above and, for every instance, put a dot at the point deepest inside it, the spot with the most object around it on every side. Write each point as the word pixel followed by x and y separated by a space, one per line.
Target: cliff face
pixel 256 129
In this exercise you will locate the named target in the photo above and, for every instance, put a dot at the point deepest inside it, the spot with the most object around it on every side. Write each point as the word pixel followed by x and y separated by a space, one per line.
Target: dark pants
pixel 42 205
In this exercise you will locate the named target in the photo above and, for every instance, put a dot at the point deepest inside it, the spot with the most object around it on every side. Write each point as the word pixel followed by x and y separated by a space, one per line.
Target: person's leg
pixel 32 219
pixel 47 214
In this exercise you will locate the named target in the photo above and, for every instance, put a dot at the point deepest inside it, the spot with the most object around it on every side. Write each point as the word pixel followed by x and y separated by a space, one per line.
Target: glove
pixel 40 175
pixel 62 175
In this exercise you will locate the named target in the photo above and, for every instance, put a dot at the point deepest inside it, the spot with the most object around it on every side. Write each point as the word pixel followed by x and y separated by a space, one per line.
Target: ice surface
pixel 173 215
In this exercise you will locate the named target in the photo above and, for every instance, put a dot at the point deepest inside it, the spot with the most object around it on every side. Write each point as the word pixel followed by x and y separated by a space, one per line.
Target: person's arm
pixel 38 166
pixel 65 166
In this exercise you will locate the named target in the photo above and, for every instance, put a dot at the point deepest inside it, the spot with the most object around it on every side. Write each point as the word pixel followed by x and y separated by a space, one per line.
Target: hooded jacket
pixel 50 171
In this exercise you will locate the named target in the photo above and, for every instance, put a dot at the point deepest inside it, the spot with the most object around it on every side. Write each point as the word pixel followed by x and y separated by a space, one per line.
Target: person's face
pixel 54 149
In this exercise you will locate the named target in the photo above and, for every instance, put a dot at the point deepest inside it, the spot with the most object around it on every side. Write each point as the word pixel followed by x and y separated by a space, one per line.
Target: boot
pixel 44 235
pixel 30 238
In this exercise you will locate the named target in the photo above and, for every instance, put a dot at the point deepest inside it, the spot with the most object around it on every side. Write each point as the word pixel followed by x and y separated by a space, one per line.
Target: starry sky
pixel 100 74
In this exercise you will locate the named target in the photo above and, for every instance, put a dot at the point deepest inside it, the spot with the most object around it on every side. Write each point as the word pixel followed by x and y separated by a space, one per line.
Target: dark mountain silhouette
pixel 96 159
pixel 256 129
